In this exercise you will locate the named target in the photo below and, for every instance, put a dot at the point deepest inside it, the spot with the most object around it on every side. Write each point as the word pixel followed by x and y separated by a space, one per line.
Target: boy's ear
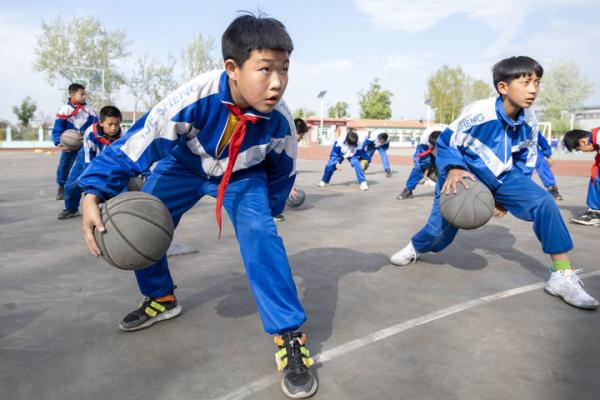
pixel 502 87
pixel 231 68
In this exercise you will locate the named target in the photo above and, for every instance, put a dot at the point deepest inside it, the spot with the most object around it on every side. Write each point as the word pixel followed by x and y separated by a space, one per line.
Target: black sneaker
pixel 553 190
pixel 388 174
pixel 298 381
pixel 148 313
pixel 406 194
pixel 590 218
pixel 66 214
pixel 60 193
pixel 279 218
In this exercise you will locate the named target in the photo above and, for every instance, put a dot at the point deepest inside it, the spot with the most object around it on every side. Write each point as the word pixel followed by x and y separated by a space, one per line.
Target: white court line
pixel 263 383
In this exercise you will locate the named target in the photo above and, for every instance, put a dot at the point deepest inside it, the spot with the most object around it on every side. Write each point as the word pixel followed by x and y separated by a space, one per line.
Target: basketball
pixel 71 139
pixel 468 208
pixel 297 202
pixel 136 183
pixel 139 230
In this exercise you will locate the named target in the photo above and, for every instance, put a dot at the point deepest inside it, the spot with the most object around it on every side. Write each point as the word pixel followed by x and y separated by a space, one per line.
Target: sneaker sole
pixel 404 263
pixel 70 216
pixel 551 291
pixel 586 223
pixel 160 317
pixel 300 395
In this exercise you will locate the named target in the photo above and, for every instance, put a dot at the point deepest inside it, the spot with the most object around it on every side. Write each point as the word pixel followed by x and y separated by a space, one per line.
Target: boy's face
pixel 522 91
pixel 110 126
pixel 79 96
pixel 584 144
pixel 261 81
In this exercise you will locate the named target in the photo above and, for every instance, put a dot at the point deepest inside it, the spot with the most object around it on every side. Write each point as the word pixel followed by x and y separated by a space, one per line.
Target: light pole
pixel 428 104
pixel 572 111
pixel 320 97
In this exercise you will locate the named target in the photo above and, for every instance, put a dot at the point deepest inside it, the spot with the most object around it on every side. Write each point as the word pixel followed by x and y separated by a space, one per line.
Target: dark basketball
pixel 136 183
pixel 71 139
pixel 297 202
pixel 139 230
pixel 468 208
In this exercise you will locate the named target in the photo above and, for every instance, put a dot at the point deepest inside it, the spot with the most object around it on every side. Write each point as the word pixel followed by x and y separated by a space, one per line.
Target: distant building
pixel 587 117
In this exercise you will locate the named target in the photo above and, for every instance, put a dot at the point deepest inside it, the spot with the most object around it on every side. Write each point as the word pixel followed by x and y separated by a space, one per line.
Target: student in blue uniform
pixel 423 159
pixel 379 142
pixel 495 140
pixel 587 141
pixel 543 165
pixel 227 134
pixel 76 114
pixel 95 139
pixel 349 148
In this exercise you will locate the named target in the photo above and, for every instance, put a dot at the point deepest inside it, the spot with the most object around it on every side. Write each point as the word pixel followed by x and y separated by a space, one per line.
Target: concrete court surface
pixel 451 326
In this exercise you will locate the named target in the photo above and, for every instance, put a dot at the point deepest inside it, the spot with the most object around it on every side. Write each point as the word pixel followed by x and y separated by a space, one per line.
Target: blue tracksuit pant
pixel 544 172
pixel 247 204
pixel 522 197
pixel 72 189
pixel 354 161
pixel 417 173
pixel 384 159
pixel 65 163
pixel 593 195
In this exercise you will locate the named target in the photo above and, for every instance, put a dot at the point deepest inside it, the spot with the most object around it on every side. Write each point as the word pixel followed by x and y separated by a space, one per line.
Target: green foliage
pixel 303 113
pixel 564 90
pixel 338 110
pixel 196 57
pixel 476 89
pixel 446 89
pixel 151 81
pixel 375 103
pixel 81 43
pixel 25 111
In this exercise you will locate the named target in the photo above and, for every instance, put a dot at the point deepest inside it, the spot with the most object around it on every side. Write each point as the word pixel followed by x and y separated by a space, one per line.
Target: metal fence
pixel 19 137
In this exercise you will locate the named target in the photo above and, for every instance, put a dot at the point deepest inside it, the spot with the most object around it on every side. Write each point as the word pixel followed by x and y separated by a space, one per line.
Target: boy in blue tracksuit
pixel 381 143
pixel 349 148
pixel 587 141
pixel 76 114
pixel 227 134
pixel 542 167
pixel 424 160
pixel 495 140
pixel 95 139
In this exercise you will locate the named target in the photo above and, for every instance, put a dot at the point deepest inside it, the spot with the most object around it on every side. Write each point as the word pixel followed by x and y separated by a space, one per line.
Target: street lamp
pixel 572 111
pixel 428 104
pixel 320 97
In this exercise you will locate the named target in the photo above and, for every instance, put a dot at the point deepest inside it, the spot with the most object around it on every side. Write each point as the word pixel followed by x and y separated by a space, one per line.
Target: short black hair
pixel 110 111
pixel 249 32
pixel 512 68
pixel 571 138
pixel 383 136
pixel 433 137
pixel 301 127
pixel 74 87
pixel 352 138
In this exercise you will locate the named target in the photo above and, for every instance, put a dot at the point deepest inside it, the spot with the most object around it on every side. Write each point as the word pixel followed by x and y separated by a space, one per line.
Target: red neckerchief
pixel 78 106
pixel 102 139
pixel 234 148
pixel 424 153
pixel 596 166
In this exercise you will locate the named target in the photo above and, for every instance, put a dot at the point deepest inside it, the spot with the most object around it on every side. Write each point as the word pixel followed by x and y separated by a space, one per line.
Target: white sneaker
pixel 405 256
pixel 323 184
pixel 566 284
pixel 364 186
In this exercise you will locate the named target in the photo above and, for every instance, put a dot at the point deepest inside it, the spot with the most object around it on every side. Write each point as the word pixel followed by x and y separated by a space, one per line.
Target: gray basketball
pixel 139 230
pixel 297 202
pixel 71 139
pixel 468 208
pixel 136 183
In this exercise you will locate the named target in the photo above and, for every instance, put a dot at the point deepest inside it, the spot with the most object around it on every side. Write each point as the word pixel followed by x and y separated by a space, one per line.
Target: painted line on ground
pixel 263 383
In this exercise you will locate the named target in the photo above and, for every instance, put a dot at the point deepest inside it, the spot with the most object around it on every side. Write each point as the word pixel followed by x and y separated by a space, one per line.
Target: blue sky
pixel 340 46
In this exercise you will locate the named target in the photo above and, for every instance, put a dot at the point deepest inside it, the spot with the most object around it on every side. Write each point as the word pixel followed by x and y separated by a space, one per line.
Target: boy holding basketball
pixel 76 114
pixel 95 139
pixel 227 134
pixel 381 144
pixel 351 149
pixel 496 141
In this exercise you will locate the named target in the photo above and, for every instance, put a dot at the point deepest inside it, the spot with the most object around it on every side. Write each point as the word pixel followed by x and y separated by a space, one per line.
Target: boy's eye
pixel 265 70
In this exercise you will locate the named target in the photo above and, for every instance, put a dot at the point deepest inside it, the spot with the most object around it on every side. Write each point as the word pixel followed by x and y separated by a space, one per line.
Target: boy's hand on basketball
pixel 91 219
pixel 293 193
pixel 499 211
pixel 338 167
pixel 62 148
pixel 456 176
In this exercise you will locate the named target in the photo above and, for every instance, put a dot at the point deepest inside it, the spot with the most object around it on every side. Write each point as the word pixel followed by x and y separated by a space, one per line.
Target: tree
pixel 303 113
pixel 446 89
pixel 375 103
pixel 62 50
pixel 338 110
pixel 564 90
pixel 476 89
pixel 151 81
pixel 25 111
pixel 196 57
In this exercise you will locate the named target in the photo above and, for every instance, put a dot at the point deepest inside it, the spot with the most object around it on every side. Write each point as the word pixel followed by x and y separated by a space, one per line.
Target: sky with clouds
pixel 340 45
